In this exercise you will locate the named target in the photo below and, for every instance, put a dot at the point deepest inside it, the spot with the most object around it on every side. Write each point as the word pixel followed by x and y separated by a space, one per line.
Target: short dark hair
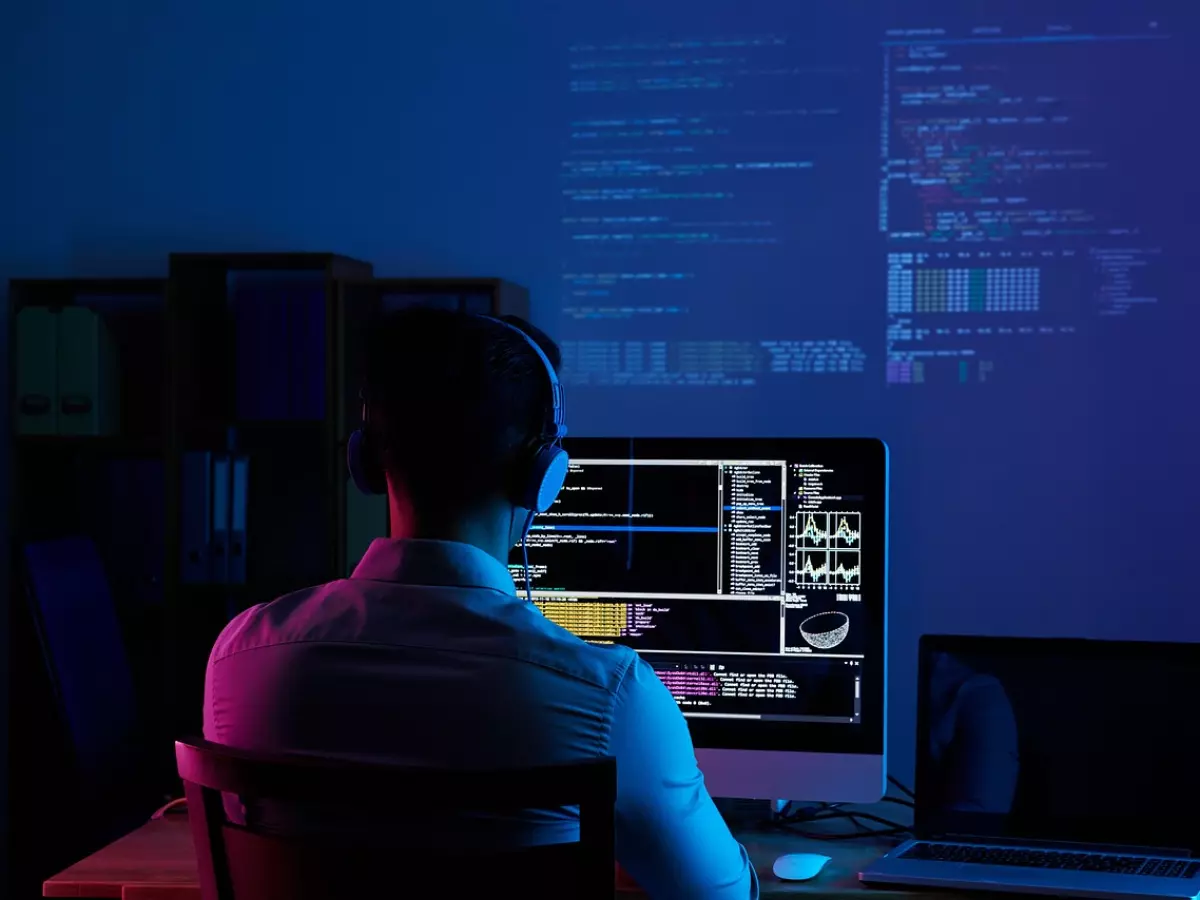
pixel 453 401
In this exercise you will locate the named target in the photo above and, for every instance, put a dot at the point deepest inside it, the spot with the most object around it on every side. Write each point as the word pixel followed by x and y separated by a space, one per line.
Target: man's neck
pixel 482 529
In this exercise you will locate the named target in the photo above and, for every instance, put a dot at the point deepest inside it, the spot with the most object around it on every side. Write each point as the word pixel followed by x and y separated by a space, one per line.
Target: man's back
pixel 426 657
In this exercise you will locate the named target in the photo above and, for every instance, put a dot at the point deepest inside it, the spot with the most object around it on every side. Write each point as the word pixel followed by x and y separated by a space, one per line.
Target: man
pixel 426 655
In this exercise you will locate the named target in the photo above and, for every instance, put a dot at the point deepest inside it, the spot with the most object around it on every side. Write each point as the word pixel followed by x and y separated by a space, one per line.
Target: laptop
pixel 1048 766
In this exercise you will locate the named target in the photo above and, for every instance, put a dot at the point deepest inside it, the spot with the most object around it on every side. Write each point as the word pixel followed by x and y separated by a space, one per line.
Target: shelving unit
pixel 63 483
pixel 109 487
pixel 252 345
pixel 251 356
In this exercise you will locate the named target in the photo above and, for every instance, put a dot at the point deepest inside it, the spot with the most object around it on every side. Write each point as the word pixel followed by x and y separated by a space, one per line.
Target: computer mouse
pixel 799 866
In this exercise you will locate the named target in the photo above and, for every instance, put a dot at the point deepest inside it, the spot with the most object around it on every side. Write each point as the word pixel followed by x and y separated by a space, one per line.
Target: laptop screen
pixel 1093 742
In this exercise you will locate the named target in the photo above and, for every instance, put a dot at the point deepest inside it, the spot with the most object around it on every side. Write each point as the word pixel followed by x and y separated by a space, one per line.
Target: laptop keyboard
pixel 1054 859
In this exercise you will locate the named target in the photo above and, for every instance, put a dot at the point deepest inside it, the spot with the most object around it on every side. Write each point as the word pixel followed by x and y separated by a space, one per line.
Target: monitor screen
pixel 750 573
pixel 1061 740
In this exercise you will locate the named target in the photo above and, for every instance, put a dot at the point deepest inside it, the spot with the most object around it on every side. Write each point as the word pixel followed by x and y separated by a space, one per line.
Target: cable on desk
pixel 900 786
pixel 168 807
pixel 793 819
pixel 891 829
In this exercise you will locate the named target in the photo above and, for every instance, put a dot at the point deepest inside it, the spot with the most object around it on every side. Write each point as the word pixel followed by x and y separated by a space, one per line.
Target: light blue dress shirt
pixel 426 656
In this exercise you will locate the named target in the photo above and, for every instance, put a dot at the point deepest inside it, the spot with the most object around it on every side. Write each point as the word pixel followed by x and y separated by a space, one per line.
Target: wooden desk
pixel 156 862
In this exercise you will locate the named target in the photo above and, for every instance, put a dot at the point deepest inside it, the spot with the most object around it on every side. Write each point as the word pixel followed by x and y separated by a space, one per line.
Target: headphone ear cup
pixel 547 473
pixel 365 471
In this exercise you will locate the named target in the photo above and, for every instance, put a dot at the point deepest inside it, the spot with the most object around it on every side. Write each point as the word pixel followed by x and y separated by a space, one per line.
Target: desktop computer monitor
pixel 752 575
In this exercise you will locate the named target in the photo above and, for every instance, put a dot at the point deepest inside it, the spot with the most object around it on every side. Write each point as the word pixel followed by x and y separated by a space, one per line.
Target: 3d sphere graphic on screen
pixel 826 630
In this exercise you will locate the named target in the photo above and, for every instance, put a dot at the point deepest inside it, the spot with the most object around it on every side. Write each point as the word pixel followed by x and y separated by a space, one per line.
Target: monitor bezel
pixel 871 455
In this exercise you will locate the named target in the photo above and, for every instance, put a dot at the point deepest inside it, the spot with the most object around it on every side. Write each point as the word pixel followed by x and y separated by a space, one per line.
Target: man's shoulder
pixel 548 645
pixel 455 621
pixel 281 620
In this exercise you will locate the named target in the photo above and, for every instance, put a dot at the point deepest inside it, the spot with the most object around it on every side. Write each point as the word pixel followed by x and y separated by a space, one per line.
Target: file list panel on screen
pixel 739 577
pixel 1009 145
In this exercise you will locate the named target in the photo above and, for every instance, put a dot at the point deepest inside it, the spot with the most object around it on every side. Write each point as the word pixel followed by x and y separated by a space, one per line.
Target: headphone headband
pixel 545 470
pixel 558 413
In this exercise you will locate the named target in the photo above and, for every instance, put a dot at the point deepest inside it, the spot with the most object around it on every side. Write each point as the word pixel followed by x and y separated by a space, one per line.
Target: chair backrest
pixel 240 862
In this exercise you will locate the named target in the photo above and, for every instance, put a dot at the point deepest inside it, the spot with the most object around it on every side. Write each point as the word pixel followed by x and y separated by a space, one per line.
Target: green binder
pixel 37 374
pixel 88 378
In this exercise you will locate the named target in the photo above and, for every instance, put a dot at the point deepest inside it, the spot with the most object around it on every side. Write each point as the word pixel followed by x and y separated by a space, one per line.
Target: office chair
pixel 244 863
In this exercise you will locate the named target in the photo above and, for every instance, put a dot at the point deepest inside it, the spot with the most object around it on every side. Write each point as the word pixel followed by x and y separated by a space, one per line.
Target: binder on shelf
pixel 366 520
pixel 84 652
pixel 240 494
pixel 478 305
pixel 196 510
pixel 262 337
pixel 37 371
pixel 306 349
pixel 245 358
pixel 88 377
pixel 219 557
pixel 280 336
pixel 130 524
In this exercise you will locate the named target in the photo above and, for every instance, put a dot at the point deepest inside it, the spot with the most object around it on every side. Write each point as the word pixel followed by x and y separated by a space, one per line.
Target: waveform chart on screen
pixel 844 568
pixel 827 568
pixel 812 567
pixel 828 530
pixel 826 549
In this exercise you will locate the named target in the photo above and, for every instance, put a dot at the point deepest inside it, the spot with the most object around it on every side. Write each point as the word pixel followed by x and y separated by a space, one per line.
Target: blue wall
pixel 428 138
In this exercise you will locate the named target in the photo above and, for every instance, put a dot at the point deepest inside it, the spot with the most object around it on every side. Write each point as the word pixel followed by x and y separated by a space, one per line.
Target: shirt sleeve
pixel 669 835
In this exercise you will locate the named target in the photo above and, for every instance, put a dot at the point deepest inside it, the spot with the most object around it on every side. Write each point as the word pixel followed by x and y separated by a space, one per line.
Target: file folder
pixel 83 648
pixel 306 349
pixel 478 305
pixel 366 520
pixel 88 378
pixel 196 511
pixel 240 493
pixel 246 358
pixel 392 302
pixel 221 520
pixel 37 371
pixel 130 526
pixel 262 336
pixel 280 323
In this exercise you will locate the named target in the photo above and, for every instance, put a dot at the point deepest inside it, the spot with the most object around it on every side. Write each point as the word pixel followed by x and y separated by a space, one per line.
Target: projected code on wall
pixel 690 166
pixel 1004 195
pixel 948 203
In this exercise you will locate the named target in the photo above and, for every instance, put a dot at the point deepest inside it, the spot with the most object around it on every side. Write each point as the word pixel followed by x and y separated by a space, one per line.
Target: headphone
pixel 541 474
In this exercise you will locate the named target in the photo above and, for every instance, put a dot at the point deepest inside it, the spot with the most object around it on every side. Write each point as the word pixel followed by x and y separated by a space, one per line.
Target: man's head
pixel 457 405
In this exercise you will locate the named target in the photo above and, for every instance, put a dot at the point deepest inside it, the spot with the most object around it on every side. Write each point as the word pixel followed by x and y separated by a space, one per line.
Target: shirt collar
pixel 434 563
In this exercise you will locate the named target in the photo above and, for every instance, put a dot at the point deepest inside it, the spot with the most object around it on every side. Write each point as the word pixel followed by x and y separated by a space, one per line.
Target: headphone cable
pixel 525 556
